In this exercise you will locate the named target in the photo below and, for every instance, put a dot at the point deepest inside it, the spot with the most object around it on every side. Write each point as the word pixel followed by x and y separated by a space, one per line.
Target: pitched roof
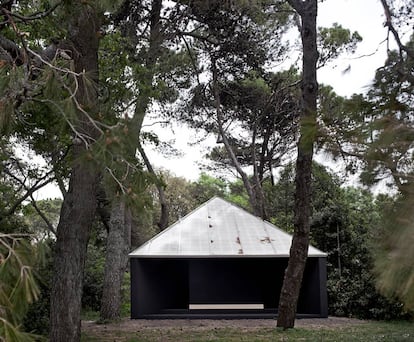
pixel 220 229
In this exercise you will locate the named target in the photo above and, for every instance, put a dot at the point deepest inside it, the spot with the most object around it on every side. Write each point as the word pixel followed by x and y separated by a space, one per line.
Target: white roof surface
pixel 219 229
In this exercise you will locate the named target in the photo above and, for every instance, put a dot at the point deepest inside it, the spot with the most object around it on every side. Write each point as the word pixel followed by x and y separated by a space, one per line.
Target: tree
pixel 235 41
pixel 265 111
pixel 19 180
pixel 42 217
pixel 300 241
pixel 389 154
pixel 393 253
pixel 252 111
pixel 79 204
pixel 151 63
pixel 344 224
pixel 179 195
pixel 397 15
pixel 59 78
pixel 92 131
pixel 352 281
pixel 375 132
pixel 183 196
pixel 207 187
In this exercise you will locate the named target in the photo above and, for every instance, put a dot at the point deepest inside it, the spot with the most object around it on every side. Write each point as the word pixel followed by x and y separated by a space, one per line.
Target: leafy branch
pixel 18 287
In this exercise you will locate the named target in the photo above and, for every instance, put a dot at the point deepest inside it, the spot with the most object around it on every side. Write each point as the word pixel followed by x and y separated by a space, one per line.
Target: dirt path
pixel 136 325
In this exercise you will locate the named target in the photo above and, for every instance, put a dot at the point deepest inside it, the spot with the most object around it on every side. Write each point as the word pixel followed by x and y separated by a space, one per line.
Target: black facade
pixel 165 287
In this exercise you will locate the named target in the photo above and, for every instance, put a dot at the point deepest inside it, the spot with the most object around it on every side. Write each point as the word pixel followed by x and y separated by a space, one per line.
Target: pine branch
pixel 34 16
pixel 49 225
pixel 388 23
pixel 40 183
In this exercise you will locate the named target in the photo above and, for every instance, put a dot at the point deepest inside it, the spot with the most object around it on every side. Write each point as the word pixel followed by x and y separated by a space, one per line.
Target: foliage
pixel 93 278
pixel 18 287
pixel 374 131
pixel 280 199
pixel 237 194
pixel 144 225
pixel 334 41
pixel 394 264
pixel 178 197
pixel 9 223
pixel 207 187
pixel 50 209
pixel 392 98
pixel 36 319
pixel 184 196
pixel 260 113
pixel 343 224
pixel 353 284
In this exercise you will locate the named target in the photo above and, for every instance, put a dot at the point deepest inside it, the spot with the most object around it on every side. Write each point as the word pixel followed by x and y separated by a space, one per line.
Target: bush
pixel 93 278
pixel 37 316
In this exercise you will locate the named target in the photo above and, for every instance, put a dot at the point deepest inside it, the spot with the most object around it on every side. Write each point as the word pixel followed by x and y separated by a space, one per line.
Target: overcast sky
pixel 366 17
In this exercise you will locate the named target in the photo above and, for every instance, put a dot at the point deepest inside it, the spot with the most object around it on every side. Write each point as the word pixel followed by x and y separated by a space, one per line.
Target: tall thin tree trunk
pixel 300 243
pixel 117 243
pixel 164 215
pixel 117 249
pixel 258 180
pixel 79 205
pixel 156 39
pixel 254 200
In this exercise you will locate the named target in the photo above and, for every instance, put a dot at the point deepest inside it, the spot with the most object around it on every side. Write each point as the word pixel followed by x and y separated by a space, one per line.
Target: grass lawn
pixel 368 331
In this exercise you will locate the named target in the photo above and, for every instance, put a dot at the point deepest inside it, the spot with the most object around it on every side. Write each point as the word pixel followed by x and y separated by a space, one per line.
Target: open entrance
pixel 217 287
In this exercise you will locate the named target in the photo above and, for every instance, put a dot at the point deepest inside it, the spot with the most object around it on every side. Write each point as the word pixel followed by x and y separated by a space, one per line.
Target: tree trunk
pixel 300 242
pixel 118 241
pixel 76 217
pixel 156 40
pixel 117 249
pixel 258 180
pixel 164 215
pixel 79 205
pixel 255 200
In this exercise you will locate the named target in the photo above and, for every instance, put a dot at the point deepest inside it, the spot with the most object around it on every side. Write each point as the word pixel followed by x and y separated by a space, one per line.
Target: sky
pixel 364 16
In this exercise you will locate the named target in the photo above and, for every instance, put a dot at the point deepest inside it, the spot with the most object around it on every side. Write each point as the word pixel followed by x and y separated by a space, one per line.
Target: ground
pixel 211 330
pixel 134 325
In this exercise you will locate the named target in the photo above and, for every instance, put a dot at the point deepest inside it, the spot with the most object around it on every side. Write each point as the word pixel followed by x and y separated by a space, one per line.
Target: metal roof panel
pixel 219 229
